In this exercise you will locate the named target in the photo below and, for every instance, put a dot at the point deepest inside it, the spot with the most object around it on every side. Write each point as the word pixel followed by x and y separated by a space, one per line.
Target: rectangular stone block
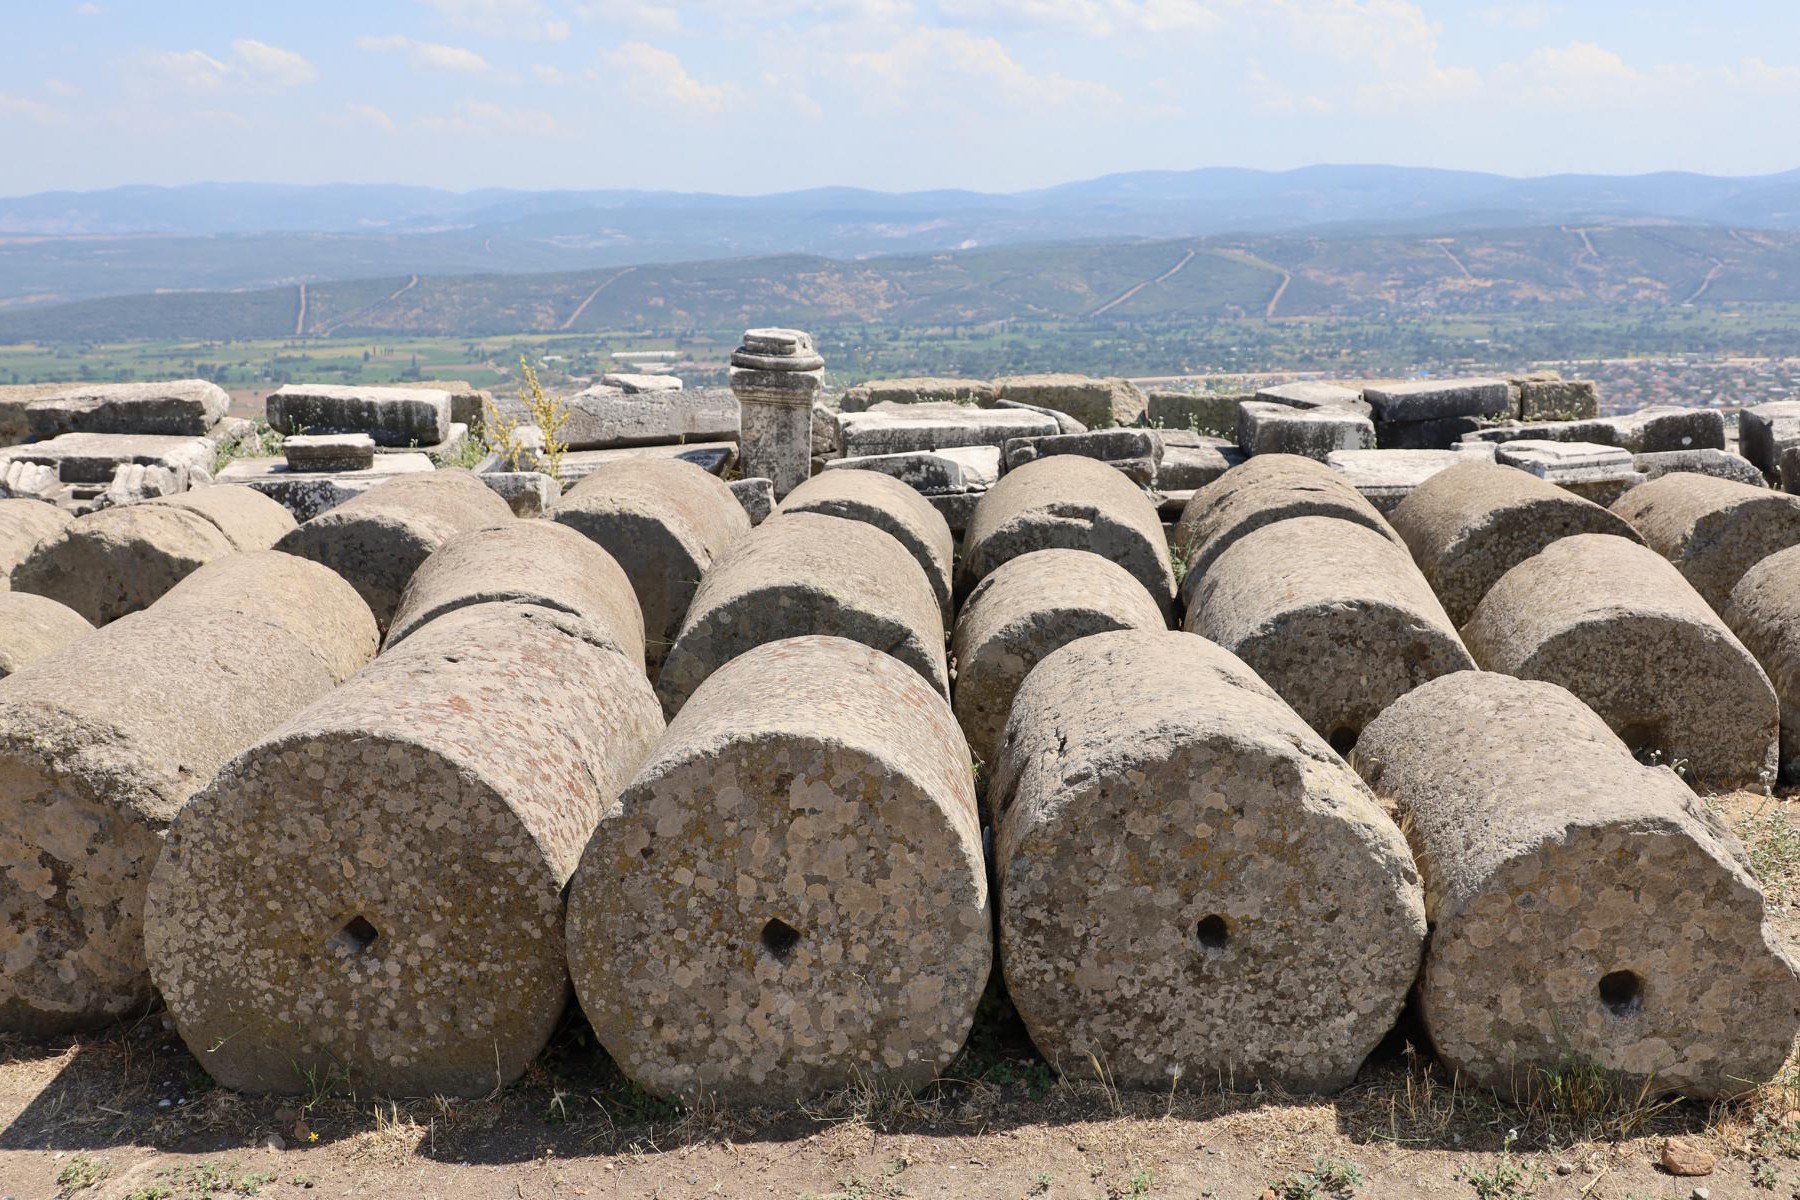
pixel 1064 422
pixel 467 402
pixel 608 418
pixel 904 428
pixel 15 399
pixel 181 408
pixel 757 496
pixel 329 452
pixel 1652 430
pixel 96 457
pixel 1721 464
pixel 1309 393
pixel 933 472
pixel 1440 434
pixel 1765 431
pixel 1435 399
pixel 1211 413
pixel 527 493
pixel 306 494
pixel 957 509
pixel 392 416
pixel 1136 452
pixel 627 381
pixel 1313 433
pixel 1096 403
pixel 924 390
pixel 713 457
pixel 1558 399
pixel 1187 468
pixel 1386 477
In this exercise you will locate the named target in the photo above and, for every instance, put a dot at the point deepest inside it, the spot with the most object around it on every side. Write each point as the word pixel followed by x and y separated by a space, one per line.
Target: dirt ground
pixel 131 1116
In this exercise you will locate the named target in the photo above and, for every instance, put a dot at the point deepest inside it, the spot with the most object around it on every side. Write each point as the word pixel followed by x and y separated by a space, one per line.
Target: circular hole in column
pixel 357 936
pixel 779 939
pixel 1343 739
pixel 1622 992
pixel 1212 933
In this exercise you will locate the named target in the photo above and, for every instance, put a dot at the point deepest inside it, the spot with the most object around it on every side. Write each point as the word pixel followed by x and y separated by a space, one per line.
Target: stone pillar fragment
pixel 775 373
pixel 1765 612
pixel 1615 623
pixel 1712 529
pixel 370 898
pixel 891 506
pixel 1584 908
pixel 24 526
pixel 32 626
pixel 790 897
pixel 104 740
pixel 1332 615
pixel 1193 888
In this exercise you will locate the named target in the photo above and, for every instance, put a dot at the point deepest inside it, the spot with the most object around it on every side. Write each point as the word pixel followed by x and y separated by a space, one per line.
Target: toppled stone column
pixel 1028 608
pixel 1070 503
pixel 1192 886
pixel 891 506
pixel 790 896
pixel 119 560
pixel 103 741
pixel 1583 907
pixel 371 897
pixel 1713 530
pixel 806 573
pixel 1765 612
pixel 523 562
pixel 1471 524
pixel 775 374
pixel 378 539
pixel 24 526
pixel 664 521
pixel 1616 624
pixel 1330 614
pixel 1268 488
pixel 32 626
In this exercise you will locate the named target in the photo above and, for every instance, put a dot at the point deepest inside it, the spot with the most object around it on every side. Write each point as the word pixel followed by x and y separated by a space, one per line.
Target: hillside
pixel 1206 278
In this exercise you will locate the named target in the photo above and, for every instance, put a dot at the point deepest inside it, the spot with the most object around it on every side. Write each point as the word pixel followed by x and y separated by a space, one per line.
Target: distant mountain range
pixel 1546 268
pixel 61 246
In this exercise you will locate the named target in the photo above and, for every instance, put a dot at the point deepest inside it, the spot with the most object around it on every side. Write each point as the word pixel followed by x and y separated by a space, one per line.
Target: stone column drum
pixel 120 560
pixel 1469 525
pixel 1070 503
pixel 1765 613
pixel 370 898
pixel 1712 529
pixel 790 897
pixel 103 741
pixel 1584 908
pixel 1616 624
pixel 1193 888
pixel 378 539
pixel 1028 607
pixel 523 562
pixel 24 525
pixel 775 374
pixel 1268 488
pixel 1332 615
pixel 664 522
pixel 32 626
pixel 891 506
pixel 804 573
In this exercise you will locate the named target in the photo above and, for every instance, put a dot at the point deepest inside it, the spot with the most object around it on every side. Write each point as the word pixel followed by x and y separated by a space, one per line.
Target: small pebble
pixel 274 1142
pixel 1702 1194
pixel 162 1104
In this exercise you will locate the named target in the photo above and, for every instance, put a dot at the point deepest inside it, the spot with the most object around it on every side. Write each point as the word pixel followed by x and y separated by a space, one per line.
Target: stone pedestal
pixel 775 374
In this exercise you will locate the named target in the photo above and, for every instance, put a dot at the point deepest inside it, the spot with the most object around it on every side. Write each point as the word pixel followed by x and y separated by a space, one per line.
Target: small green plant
pixel 1509 1177
pixel 1178 563
pixel 1764 1175
pixel 261 442
pixel 1329 1179
pixel 1043 1183
pixel 1774 846
pixel 468 455
pixel 504 431
pixel 83 1172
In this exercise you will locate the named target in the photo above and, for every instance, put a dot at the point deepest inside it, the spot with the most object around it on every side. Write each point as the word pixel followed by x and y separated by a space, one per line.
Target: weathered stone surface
pixel 933 472
pixel 922 390
pixel 1471 524
pixel 1616 624
pixel 468 403
pixel 1713 530
pixel 15 398
pixel 634 383
pixel 378 539
pixel 1686 1158
pixel 1212 413
pixel 664 522
pixel 1650 430
pixel 757 496
pixel 119 560
pixel 1028 607
pixel 181 408
pixel 527 493
pixel 1070 503
pixel 1790 471
pixel 1311 394
pixel 1136 452
pixel 1440 434
pixel 806 573
pixel 777 350
pixel 1268 488
pixel 1386 477
pixel 1332 615
pixel 706 962
pixel 606 418
pixel 94 457
pixel 306 494
pixel 1764 611
pixel 826 444
pixel 392 416
pixel 329 452
pixel 33 626
pixel 901 429
pixel 1720 463
pixel 1766 430
pixel 1184 468
pixel 24 526
pixel 1065 424
pixel 892 507
pixel 523 562
pixel 1437 399
pixel 103 741
pixel 28 481
pixel 1562 460
pixel 132 484
pixel 1192 886
pixel 1309 432
pixel 957 510
pixel 1096 403
pixel 1583 907
pixel 776 439
pixel 715 458
pixel 1557 399
pixel 432 962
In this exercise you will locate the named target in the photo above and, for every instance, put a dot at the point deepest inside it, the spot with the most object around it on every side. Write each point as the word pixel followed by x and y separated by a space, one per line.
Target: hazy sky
pixel 743 96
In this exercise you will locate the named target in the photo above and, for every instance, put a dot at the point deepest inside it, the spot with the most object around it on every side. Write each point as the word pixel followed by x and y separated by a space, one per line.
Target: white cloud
pixel 1387 34
pixel 644 16
pixel 526 20
pixel 1769 79
pixel 88 10
pixel 545 73
pixel 428 56
pixel 272 65
pixel 367 116
pixel 1095 18
pixel 253 64
pixel 1527 18
pixel 911 63
pixel 61 87
pixel 192 70
pixel 479 118
pixel 26 109
pixel 663 72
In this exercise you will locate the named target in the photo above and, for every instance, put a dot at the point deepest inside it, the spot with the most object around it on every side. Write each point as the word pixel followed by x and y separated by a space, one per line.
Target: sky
pixel 741 96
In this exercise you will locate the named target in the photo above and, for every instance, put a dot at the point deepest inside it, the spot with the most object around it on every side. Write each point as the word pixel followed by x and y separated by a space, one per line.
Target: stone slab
pixel 393 416
pixel 180 408
pixel 933 473
pixel 1096 403
pixel 1312 433
pixel 1386 477
pixel 634 383
pixel 329 452
pixel 306 494
pixel 1137 452
pixel 903 428
pixel 920 390
pixel 96 457
pixel 527 493
pixel 713 457
pixel 1214 413
pixel 757 496
pixel 1557 399
pixel 607 418
pixel 1309 393
pixel 1185 468
pixel 1435 399
pixel 1721 464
